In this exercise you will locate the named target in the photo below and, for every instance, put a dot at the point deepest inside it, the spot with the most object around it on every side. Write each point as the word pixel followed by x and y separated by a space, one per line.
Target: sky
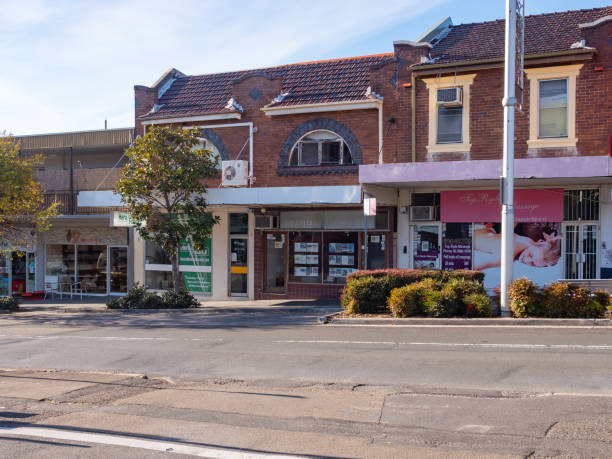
pixel 71 65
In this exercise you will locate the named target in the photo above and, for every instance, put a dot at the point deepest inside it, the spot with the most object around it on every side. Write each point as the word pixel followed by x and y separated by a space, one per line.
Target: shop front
pixel 93 258
pixel 310 252
pixel 555 234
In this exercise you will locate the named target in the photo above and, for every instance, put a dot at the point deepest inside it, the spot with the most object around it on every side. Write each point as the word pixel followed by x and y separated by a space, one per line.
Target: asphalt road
pixel 289 346
pixel 255 382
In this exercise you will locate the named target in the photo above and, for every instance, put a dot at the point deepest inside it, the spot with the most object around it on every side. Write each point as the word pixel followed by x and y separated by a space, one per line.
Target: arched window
pixel 206 144
pixel 319 148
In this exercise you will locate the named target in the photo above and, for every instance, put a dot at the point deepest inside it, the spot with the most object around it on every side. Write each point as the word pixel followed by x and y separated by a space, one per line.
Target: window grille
pixel 581 205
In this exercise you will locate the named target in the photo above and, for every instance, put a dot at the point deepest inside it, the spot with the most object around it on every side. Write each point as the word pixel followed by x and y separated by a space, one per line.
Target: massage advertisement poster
pixel 537 252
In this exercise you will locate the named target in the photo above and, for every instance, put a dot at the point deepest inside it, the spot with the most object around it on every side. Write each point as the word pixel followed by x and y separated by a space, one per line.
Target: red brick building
pixel 421 130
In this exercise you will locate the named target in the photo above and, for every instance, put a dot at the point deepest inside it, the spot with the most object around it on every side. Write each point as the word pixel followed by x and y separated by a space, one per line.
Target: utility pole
pixel 507 179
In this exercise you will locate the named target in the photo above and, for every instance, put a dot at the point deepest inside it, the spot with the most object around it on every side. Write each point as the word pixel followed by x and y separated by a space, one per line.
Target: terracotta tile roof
pixel 544 33
pixel 334 80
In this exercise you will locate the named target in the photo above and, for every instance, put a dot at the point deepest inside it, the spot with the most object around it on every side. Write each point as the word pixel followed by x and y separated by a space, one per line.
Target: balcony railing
pixel 68 205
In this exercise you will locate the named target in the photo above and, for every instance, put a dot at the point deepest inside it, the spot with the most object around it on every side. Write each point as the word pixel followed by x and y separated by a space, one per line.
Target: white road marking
pixel 152 445
pixel 516 326
pixel 464 345
pixel 106 338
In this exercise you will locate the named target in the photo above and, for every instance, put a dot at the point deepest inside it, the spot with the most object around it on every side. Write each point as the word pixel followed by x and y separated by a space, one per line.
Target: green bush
pixel 367 291
pixel 525 298
pixel 364 295
pixel 562 299
pixel 478 305
pixel 441 300
pixel 558 300
pixel 406 301
pixel 9 303
pixel 141 298
pixel 181 300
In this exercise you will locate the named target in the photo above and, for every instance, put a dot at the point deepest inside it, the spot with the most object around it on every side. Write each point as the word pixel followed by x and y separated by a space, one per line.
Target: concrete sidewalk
pixel 98 304
pixel 316 420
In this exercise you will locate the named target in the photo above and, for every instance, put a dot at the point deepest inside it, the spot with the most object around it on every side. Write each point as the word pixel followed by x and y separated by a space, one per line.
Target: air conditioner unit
pixel 266 221
pixel 234 173
pixel 450 97
pixel 422 213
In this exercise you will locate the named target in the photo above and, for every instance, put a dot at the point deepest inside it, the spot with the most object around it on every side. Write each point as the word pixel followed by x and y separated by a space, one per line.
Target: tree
pixel 163 186
pixel 22 204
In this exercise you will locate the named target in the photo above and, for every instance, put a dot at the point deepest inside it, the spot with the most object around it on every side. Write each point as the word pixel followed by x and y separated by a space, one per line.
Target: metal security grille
pixel 581 205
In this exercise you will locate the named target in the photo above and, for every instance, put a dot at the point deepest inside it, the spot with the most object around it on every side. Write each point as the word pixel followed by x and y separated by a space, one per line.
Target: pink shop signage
pixel 541 205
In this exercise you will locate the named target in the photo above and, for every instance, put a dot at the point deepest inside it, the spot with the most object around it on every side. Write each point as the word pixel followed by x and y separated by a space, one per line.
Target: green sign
pixel 196 266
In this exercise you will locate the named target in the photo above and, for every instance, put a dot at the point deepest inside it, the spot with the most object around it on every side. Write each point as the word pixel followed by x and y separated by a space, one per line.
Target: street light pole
pixel 507 179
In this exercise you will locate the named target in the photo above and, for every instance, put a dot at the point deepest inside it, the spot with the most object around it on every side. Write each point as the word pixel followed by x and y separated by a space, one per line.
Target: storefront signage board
pixel 530 206
pixel 121 219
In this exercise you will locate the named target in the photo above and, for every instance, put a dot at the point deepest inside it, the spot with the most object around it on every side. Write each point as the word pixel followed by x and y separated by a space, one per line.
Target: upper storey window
pixel 320 148
pixel 449 113
pixel 552 106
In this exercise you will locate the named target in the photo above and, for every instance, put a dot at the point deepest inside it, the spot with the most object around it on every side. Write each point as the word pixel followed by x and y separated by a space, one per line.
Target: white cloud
pixel 75 64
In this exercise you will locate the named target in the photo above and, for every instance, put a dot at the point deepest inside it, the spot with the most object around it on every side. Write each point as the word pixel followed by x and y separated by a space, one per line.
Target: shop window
pixel 552 106
pixel 449 113
pixel 91 265
pixel 305 257
pixel 340 255
pixel 195 267
pixel 239 223
pixel 457 246
pixel 426 246
pixel 581 205
pixel 61 262
pixel 320 148
pixel 4 276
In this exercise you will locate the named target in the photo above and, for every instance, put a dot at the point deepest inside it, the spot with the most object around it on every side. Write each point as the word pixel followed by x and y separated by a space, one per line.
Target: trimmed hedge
pixel 9 303
pixel 558 300
pixel 141 298
pixel 438 293
pixel 434 298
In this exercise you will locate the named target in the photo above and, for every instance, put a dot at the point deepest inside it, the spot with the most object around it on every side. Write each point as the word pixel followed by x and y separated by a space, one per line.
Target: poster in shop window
pixel 537 252
pixel 196 267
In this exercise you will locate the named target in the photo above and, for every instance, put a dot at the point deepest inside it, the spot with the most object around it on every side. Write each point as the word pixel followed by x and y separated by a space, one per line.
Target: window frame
pixel 433 84
pixel 535 75
pixel 297 148
pixel 540 81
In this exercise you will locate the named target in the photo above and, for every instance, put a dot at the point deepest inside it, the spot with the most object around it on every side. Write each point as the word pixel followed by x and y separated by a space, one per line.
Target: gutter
pixel 430 68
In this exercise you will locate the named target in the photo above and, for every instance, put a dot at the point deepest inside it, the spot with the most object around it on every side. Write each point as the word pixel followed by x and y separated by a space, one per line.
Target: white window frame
pixel 433 84
pixel 535 75
pixel 297 148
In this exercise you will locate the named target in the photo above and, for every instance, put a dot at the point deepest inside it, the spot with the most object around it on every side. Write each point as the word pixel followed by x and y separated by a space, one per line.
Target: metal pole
pixel 507 188
pixel 71 198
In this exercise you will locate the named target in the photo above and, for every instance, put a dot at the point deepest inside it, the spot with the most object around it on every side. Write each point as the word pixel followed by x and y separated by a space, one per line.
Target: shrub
pixel 478 305
pixel 562 299
pixel 441 300
pixel 137 298
pixel 525 299
pixel 406 301
pixel 181 300
pixel 366 291
pixel 9 303
pixel 364 295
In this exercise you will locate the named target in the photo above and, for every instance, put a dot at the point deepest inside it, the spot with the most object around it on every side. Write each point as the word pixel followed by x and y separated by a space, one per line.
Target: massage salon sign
pixel 537 231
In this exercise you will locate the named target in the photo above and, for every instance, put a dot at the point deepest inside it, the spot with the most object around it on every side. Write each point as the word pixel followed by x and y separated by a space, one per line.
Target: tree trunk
pixel 175 272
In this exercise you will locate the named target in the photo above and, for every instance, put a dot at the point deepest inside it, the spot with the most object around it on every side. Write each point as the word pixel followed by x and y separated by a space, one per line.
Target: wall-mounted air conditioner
pixel 234 173
pixel 450 97
pixel 422 213
pixel 266 221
